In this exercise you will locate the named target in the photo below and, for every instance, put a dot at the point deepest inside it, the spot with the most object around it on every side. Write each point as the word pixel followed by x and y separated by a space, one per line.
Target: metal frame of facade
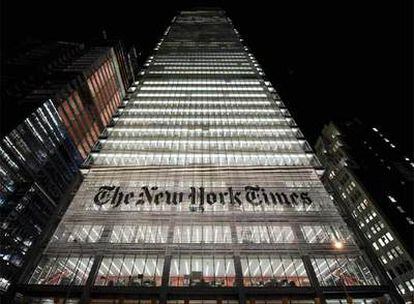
pixel 201 115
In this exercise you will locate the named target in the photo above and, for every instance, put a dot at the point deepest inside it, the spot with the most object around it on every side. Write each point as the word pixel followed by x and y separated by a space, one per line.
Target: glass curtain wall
pixel 204 180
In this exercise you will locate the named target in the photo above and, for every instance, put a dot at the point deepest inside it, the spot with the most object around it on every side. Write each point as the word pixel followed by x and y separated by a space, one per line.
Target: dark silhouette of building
pixel 372 181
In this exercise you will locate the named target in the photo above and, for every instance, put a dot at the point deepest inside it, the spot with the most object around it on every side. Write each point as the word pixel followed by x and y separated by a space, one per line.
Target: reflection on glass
pixel 326 233
pixel 203 271
pixel 78 233
pixel 265 234
pixel 139 234
pixel 138 270
pixel 202 234
pixel 62 270
pixel 342 271
pixel 273 271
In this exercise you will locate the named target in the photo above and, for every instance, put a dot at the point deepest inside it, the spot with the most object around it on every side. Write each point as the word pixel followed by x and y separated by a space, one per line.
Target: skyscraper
pixel 372 181
pixel 58 98
pixel 202 190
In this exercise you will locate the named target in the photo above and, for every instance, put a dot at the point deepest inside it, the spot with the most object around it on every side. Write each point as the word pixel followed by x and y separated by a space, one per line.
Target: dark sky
pixel 328 59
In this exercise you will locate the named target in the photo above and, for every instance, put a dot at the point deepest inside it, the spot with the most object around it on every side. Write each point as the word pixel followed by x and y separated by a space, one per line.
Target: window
pixel 144 233
pixel 264 234
pixel 62 270
pixel 78 233
pixel 342 271
pixel 136 270
pixel 401 289
pixel 273 271
pixel 326 233
pixel 410 286
pixel 392 199
pixel 203 271
pixel 202 234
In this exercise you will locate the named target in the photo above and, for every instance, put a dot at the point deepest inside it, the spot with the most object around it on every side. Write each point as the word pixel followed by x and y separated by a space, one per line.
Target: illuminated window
pixel 202 271
pixel 130 270
pixel 273 271
pixel 265 234
pixel 144 233
pixel 326 233
pixel 62 270
pixel 78 233
pixel 340 271
pixel 202 234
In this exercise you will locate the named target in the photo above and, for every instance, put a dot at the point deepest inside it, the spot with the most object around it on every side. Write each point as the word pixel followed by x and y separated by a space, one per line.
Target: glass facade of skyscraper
pixel 203 189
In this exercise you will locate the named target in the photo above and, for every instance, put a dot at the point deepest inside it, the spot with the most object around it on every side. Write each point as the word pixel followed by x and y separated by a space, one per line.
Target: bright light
pixel 338 244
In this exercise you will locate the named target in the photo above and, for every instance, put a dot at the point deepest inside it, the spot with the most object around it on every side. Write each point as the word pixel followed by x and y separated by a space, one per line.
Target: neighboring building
pixel 203 190
pixel 89 108
pixel 127 58
pixel 38 163
pixel 373 184
pixel 32 64
pixel 72 100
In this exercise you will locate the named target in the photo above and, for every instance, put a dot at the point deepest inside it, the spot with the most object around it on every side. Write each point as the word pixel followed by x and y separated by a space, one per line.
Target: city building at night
pixel 51 130
pixel 127 58
pixel 202 190
pixel 372 181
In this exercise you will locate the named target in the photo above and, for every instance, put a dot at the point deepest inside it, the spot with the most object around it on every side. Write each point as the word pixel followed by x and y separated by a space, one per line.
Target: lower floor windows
pixel 214 271
pixel 136 270
pixel 326 233
pixel 342 271
pixel 64 270
pixel 203 270
pixel 273 271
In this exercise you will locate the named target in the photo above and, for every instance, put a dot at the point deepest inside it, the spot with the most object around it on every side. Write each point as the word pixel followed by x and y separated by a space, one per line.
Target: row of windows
pixel 212 63
pixel 204 72
pixel 207 102
pixel 383 241
pixel 202 81
pixel 269 271
pixel 198 60
pixel 257 121
pixel 207 133
pixel 223 67
pixel 223 58
pixel 342 271
pixel 201 54
pixel 221 116
pixel 202 111
pixel 409 287
pixel 173 158
pixel 326 233
pixel 203 271
pixel 214 234
pixel 201 123
pixel 201 88
pixel 188 145
pixel 174 95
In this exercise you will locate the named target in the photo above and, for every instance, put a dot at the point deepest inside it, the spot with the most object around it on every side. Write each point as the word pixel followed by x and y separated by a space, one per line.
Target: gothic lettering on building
pixel 198 197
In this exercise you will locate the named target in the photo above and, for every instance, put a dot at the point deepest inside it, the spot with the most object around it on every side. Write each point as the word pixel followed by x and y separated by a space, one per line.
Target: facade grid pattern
pixel 205 182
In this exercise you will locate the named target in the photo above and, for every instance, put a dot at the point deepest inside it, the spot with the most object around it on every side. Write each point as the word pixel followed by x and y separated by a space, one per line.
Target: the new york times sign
pixel 198 197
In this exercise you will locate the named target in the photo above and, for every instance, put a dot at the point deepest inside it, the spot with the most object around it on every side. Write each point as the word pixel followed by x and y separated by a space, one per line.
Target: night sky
pixel 329 60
